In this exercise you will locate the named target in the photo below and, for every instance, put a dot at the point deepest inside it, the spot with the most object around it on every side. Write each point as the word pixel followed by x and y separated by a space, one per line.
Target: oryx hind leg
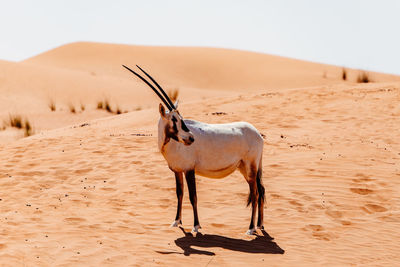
pixel 249 171
pixel 179 195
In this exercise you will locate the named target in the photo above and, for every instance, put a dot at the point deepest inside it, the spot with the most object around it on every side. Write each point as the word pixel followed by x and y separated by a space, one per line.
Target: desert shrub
pixel 15 121
pixel 344 74
pixel 52 105
pixel 100 105
pixel 363 77
pixel 83 107
pixel 27 128
pixel 72 108
pixel 107 106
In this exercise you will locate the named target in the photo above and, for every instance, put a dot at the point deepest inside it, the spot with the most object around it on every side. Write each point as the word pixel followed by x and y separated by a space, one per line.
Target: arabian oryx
pixel 211 150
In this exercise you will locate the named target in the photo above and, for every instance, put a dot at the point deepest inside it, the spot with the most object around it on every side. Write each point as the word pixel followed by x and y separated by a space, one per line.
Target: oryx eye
pixel 174 120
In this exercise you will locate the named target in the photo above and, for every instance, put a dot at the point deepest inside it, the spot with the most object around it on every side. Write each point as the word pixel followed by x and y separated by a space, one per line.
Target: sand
pixel 91 189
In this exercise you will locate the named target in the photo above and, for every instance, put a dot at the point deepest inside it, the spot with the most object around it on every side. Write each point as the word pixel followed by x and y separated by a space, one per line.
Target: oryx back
pixel 218 150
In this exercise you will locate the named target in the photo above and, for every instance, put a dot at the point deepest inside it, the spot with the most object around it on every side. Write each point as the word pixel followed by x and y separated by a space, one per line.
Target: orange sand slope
pixel 101 194
pixel 95 191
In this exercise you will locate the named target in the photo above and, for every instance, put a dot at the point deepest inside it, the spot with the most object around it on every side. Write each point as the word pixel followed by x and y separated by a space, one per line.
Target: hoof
pixel 260 227
pixel 176 223
pixel 251 231
pixel 196 229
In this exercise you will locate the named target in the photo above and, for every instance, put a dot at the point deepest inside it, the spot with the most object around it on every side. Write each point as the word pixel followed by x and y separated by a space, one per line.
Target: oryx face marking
pixel 175 127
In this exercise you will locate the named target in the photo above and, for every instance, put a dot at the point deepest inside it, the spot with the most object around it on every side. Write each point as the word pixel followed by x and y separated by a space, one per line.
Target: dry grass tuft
pixel 16 121
pixel 27 128
pixel 344 74
pixel 72 108
pixel 106 106
pixel 363 77
pixel 52 105
pixel 100 105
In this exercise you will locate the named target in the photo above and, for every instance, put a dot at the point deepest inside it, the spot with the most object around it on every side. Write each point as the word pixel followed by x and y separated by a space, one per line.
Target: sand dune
pixel 95 191
pixel 204 68
pixel 82 74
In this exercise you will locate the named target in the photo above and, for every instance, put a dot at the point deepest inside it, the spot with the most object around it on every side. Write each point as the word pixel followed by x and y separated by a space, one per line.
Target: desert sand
pixel 90 188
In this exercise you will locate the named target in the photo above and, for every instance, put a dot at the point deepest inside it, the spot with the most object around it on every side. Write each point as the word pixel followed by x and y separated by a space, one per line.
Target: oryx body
pixel 218 150
pixel 211 150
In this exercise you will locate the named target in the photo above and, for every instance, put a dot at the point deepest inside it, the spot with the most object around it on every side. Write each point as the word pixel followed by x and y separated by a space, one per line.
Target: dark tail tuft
pixel 249 200
pixel 260 186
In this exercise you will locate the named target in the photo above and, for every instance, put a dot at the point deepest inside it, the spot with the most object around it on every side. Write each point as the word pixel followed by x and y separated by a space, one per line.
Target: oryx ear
pixel 176 104
pixel 162 110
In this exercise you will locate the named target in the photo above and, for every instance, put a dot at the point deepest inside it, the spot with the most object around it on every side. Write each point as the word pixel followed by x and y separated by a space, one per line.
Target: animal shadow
pixel 261 244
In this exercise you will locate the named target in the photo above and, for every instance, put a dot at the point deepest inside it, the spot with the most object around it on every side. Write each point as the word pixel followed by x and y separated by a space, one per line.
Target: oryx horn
pixel 159 87
pixel 167 103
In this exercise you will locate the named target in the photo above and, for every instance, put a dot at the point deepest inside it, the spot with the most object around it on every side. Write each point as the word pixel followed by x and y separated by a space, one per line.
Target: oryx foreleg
pixel 179 195
pixel 191 183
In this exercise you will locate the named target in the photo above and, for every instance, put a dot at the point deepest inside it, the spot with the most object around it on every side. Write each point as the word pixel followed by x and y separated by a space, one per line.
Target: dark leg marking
pixel 191 183
pixel 179 195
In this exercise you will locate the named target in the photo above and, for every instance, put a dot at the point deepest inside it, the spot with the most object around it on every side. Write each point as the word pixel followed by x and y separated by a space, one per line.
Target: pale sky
pixel 359 34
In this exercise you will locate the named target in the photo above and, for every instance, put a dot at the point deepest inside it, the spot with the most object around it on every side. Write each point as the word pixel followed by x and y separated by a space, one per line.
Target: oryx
pixel 211 150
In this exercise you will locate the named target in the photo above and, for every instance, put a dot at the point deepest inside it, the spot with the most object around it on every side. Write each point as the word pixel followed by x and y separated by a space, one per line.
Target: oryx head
pixel 174 126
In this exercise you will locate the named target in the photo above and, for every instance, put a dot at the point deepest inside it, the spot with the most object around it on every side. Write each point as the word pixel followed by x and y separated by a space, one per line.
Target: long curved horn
pixel 159 87
pixel 152 87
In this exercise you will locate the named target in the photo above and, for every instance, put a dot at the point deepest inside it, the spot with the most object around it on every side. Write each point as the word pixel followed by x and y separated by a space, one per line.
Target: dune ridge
pixel 197 67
